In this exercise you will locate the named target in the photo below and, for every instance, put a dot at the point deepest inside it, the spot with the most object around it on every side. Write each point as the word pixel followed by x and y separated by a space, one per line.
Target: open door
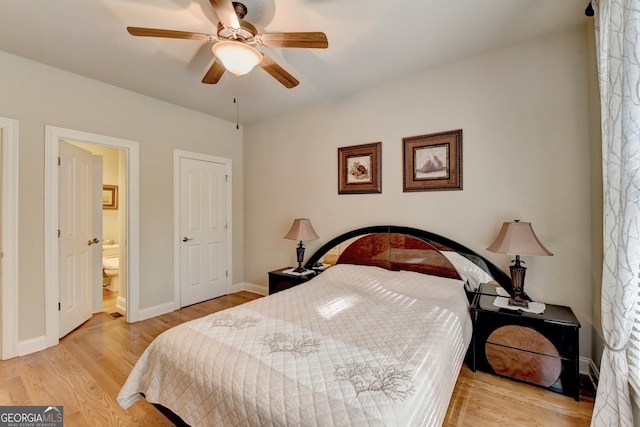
pixel 76 238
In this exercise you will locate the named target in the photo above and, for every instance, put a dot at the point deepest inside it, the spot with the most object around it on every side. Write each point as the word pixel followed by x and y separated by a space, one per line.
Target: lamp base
pixel 517 280
pixel 300 257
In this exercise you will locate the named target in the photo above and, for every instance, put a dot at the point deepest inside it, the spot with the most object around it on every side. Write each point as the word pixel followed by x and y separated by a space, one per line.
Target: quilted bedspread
pixel 356 346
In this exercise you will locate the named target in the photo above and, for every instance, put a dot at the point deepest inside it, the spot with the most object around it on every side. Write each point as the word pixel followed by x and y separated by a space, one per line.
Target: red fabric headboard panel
pixel 398 252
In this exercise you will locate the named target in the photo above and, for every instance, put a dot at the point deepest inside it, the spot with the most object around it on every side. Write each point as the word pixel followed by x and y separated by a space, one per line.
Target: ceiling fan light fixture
pixel 237 57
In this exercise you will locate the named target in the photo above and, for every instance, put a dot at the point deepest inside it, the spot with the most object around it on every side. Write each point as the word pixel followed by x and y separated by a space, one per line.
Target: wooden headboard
pixel 395 251
pixel 405 248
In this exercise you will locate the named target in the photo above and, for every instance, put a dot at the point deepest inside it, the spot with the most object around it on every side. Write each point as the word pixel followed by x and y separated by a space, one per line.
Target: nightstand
pixel 540 349
pixel 279 281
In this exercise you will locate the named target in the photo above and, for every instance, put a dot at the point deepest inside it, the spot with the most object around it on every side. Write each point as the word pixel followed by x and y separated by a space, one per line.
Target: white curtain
pixel 618 54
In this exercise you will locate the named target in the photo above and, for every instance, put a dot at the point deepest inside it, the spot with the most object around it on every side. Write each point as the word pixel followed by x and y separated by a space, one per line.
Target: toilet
pixel 111 265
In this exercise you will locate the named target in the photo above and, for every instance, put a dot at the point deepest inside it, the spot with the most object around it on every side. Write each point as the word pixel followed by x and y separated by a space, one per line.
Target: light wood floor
pixel 86 371
pixel 109 300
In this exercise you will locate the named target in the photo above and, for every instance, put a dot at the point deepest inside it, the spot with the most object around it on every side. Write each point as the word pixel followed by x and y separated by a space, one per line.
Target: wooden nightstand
pixel 279 281
pixel 540 349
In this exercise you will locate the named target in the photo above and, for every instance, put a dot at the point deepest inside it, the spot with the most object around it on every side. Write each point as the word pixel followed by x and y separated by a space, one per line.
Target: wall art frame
pixel 432 162
pixel 360 169
pixel 109 197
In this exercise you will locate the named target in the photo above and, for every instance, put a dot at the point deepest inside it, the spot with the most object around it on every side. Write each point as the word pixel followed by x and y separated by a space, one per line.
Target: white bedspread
pixel 356 346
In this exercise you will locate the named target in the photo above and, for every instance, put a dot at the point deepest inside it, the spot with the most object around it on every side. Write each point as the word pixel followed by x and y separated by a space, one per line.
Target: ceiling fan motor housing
pixel 241 10
pixel 246 33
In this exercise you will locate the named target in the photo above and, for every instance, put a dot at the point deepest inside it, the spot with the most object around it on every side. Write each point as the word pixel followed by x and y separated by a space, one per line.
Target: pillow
pixel 470 272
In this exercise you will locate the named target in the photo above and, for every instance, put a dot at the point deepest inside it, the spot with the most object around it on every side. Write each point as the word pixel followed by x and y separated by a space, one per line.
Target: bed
pixel 378 338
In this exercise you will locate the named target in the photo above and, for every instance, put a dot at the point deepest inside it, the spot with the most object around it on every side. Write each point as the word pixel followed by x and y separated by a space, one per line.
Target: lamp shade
pixel 237 57
pixel 518 238
pixel 301 230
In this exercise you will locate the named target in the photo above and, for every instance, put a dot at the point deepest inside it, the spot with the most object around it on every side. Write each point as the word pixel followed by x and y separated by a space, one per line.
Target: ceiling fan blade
pixel 226 13
pixel 278 73
pixel 315 40
pixel 215 73
pixel 171 34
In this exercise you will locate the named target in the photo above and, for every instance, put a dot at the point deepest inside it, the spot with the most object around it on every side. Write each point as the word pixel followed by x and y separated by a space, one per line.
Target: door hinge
pixel 58 306
pixel 226 226
pixel 226 178
pixel 58 233
pixel 58 160
pixel 227 273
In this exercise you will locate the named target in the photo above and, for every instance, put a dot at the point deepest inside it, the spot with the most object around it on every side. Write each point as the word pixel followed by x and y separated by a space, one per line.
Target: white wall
pixel 524 114
pixel 110 173
pixel 110 176
pixel 38 95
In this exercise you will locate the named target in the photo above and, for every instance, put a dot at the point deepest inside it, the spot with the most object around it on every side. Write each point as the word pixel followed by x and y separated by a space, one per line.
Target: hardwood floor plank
pixel 489 400
pixel 86 371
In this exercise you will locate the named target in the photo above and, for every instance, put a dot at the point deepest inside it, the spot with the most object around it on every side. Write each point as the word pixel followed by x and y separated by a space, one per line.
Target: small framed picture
pixel 433 162
pixel 109 197
pixel 359 169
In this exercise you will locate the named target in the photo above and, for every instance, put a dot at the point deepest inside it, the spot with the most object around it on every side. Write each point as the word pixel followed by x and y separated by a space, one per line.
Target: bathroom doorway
pixel 131 253
pixel 111 296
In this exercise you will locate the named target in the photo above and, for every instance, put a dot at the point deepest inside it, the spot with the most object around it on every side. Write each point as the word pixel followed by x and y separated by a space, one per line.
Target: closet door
pixel 204 231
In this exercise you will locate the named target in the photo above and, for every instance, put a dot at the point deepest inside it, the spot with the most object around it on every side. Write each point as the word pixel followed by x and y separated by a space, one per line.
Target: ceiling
pixel 370 42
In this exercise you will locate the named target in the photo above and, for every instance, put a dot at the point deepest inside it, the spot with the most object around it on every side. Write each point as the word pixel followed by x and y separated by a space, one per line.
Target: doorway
pixel 130 150
pixel 109 294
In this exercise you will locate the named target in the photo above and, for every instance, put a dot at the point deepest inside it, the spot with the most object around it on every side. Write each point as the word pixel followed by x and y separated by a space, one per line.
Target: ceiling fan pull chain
pixel 235 101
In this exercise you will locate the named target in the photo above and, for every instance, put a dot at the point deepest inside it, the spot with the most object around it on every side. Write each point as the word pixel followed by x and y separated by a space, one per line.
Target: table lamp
pixel 301 230
pixel 517 238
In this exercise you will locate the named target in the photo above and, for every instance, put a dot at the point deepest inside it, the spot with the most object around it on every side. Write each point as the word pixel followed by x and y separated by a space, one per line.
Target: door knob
pixel 91 242
pixel 186 239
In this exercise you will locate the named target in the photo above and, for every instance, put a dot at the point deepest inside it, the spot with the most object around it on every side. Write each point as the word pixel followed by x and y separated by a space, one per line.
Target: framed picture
pixel 433 162
pixel 359 170
pixel 109 197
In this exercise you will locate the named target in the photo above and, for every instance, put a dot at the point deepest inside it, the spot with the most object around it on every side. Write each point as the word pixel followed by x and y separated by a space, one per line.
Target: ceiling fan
pixel 235 40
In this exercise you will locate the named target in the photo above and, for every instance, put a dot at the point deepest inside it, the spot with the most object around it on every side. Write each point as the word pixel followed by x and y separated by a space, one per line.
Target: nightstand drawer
pixel 524 354
pixel 562 338
pixel 279 280
pixel 281 285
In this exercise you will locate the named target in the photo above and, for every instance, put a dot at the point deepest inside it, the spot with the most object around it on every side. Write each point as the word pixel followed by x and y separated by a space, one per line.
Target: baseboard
pixel 31 345
pixel 251 287
pixel 585 365
pixel 148 313
pixel 121 305
pixel 588 367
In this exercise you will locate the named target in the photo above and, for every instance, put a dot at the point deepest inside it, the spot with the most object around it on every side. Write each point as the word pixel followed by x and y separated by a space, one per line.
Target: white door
pixel 76 236
pixel 203 226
